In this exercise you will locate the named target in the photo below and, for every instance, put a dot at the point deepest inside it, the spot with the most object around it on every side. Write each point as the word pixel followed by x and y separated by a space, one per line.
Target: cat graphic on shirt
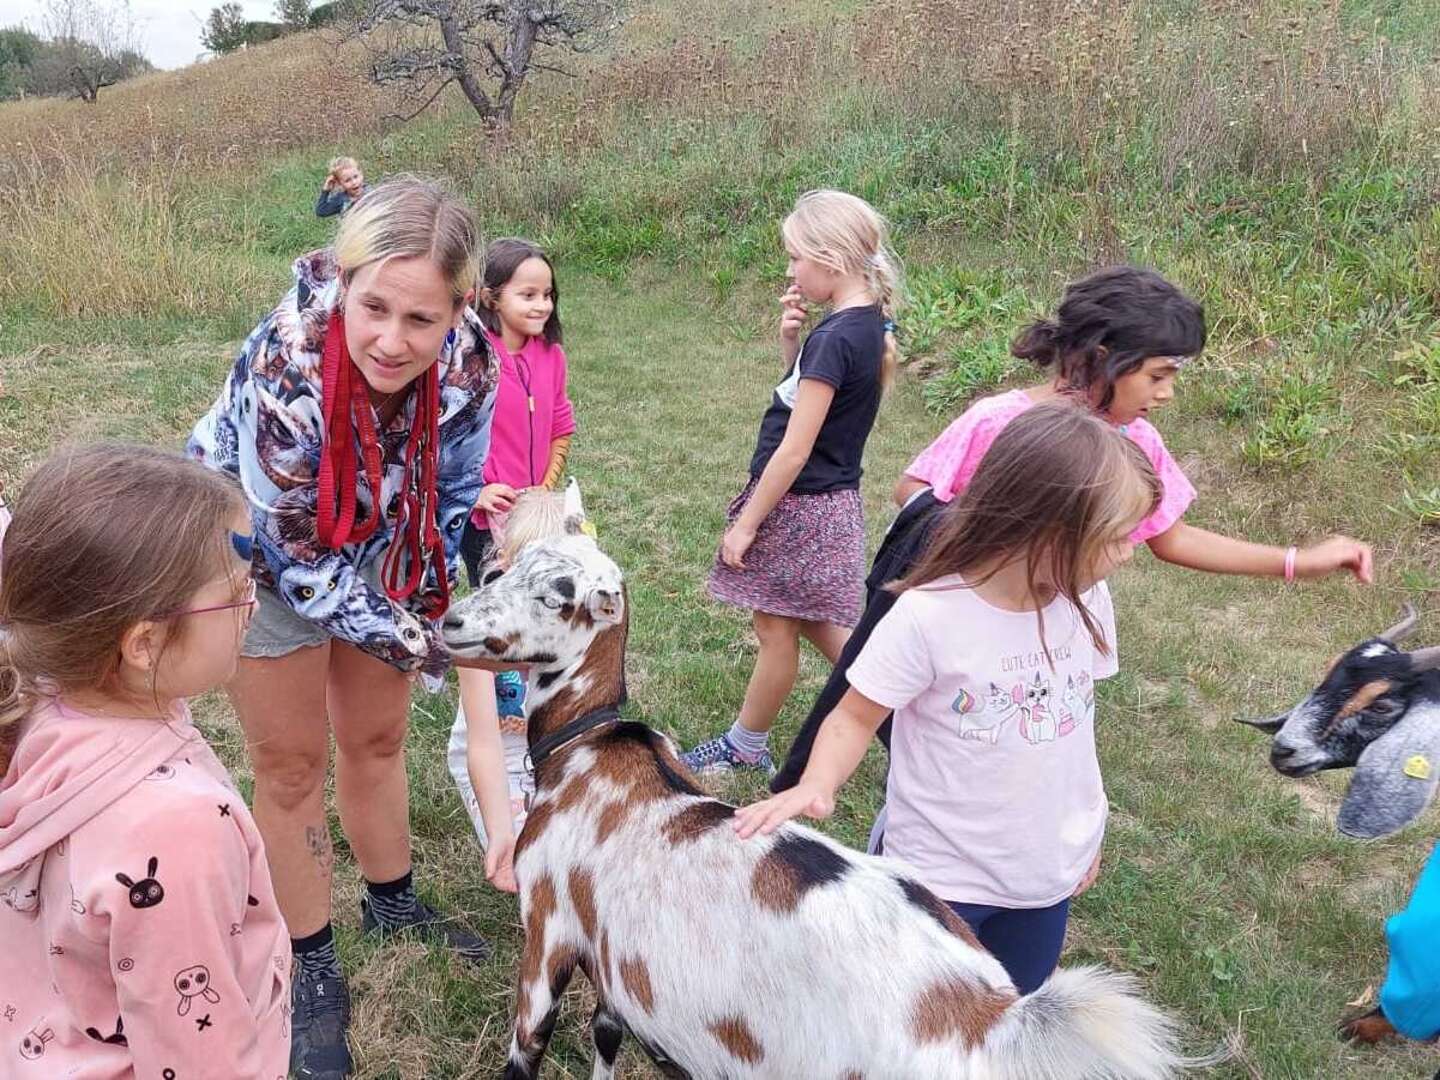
pixel 1077 702
pixel 1039 720
pixel 983 721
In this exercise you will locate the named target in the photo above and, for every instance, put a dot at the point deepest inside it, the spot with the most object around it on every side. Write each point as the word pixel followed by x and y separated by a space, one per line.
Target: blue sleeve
pixel 1410 997
pixel 330 203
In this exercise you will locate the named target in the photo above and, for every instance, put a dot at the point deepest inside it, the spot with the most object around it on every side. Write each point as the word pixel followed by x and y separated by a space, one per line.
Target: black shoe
pixel 431 927
pixel 320 1019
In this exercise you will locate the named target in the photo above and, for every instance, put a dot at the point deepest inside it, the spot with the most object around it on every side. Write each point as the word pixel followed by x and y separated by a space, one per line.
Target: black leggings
pixel 899 551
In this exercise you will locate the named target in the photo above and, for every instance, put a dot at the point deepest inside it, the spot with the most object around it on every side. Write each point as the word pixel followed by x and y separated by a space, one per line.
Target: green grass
pixel 1224 885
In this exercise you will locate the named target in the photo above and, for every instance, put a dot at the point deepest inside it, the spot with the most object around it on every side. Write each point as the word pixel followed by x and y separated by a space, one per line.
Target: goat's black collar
pixel 556 740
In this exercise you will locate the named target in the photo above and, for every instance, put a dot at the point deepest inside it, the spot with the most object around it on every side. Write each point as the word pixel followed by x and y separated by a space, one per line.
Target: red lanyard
pixel 416 541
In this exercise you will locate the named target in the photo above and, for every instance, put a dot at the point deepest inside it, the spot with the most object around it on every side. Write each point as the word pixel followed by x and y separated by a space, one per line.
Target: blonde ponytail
pixel 846 234
pixel 883 275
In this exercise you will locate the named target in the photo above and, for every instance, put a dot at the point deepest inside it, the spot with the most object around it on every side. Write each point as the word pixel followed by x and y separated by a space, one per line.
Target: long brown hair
pixel 1056 486
pixel 103 537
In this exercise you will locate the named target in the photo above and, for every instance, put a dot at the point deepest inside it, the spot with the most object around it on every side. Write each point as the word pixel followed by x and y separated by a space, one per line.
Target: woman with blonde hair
pixel 356 417
pixel 794 551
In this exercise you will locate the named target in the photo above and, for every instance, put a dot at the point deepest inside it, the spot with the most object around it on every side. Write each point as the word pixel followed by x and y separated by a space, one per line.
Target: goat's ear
pixel 605 606
pixel 1270 725
pixel 1396 777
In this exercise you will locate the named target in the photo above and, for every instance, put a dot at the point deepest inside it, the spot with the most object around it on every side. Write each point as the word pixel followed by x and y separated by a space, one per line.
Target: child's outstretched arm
pixel 1198 549
pixel 812 403
pixel 844 737
pixel 485 764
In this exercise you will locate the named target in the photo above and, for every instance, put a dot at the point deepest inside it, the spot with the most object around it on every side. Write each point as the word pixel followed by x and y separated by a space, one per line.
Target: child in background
pixel 989 659
pixel 140 931
pixel 1115 347
pixel 344 184
pixel 488 742
pixel 794 551
pixel 519 305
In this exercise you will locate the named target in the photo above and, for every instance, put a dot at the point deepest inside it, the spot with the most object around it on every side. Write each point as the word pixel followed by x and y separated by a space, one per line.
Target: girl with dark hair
pixel 519 306
pixel 1114 346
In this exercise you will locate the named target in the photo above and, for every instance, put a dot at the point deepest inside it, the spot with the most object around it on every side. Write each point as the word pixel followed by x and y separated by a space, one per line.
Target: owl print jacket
pixel 139 933
pixel 266 429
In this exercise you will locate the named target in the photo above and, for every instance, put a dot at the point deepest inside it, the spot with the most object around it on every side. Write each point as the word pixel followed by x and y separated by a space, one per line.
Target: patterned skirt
pixel 807 561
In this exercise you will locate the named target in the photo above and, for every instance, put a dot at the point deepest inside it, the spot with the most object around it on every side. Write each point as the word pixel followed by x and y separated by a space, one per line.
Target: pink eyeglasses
pixel 248 602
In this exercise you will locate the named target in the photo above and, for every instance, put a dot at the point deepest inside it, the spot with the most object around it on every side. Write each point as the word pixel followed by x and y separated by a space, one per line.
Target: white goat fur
pixel 788 956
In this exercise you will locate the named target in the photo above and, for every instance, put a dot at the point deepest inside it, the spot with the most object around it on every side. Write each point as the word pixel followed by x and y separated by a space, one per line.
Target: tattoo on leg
pixel 317 839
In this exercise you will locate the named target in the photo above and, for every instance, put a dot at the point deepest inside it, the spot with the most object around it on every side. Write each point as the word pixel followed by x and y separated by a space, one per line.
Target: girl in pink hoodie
pixel 138 926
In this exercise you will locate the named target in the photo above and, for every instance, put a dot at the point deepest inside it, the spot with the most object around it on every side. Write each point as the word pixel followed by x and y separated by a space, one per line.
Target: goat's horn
pixel 1425 659
pixel 1401 630
pixel 1268 724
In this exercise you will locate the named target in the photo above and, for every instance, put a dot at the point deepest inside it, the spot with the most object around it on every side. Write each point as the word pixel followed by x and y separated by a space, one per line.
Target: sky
pixel 168 31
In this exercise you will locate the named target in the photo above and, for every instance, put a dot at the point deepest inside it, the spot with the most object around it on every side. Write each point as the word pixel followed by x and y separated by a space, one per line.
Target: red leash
pixel 416 542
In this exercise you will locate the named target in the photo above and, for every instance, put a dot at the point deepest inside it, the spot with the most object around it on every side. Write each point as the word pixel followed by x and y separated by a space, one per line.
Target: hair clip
pixel 244 545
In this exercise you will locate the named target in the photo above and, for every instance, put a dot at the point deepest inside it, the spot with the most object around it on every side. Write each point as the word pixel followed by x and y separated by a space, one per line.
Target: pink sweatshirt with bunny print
pixel 138 928
pixel 949 463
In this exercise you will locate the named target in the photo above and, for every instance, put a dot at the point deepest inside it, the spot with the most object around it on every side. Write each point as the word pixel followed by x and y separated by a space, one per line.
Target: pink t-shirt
pixel 520 439
pixel 994 793
pixel 949 463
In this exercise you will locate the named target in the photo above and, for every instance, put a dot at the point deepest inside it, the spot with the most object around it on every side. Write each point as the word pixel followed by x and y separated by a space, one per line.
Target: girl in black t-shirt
pixel 794 551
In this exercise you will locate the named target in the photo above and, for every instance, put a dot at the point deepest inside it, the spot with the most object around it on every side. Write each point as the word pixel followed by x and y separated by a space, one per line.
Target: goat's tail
pixel 1086 1023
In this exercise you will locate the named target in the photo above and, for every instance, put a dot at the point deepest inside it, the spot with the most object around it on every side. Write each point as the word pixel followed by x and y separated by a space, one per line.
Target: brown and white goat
pixel 1376 710
pixel 786 956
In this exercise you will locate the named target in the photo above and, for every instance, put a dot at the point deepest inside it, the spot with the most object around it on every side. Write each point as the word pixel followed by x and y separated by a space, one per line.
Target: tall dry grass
pixel 82 242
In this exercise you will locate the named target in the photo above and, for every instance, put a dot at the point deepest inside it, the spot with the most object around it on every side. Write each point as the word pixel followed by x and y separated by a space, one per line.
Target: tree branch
pixel 406 118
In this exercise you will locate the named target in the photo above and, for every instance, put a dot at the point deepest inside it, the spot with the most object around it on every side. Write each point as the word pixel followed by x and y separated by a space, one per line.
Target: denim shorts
pixel 275 630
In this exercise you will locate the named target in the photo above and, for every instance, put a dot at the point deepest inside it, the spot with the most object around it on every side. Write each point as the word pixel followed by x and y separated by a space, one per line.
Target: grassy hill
pixel 1280 159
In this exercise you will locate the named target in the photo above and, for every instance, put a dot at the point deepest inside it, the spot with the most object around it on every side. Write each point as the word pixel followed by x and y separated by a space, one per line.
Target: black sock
pixel 393 902
pixel 315 955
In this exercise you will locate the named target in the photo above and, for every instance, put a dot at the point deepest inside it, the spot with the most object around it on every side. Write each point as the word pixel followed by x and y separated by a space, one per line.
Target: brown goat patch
pixel 601 675
pixel 774 886
pixel 696 820
pixel 540 906
pixel 735 1035
pixel 610 819
pixel 561 962
pixel 635 977
pixel 1370 1028
pixel 582 895
pixel 570 796
pixel 1363 698
pixel 956 1007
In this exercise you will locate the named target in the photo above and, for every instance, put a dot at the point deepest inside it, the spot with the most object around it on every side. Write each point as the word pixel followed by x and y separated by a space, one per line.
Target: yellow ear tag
pixel 588 529
pixel 1418 767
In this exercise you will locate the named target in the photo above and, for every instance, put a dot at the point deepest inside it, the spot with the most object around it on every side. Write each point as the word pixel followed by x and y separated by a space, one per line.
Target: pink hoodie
pixel 139 933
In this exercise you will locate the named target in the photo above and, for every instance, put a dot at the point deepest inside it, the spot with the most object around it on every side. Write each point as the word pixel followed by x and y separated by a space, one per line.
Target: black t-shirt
pixel 846 350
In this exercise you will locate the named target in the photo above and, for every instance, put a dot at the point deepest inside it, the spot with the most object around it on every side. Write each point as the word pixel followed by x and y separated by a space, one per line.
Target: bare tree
pixel 94 44
pixel 485 48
